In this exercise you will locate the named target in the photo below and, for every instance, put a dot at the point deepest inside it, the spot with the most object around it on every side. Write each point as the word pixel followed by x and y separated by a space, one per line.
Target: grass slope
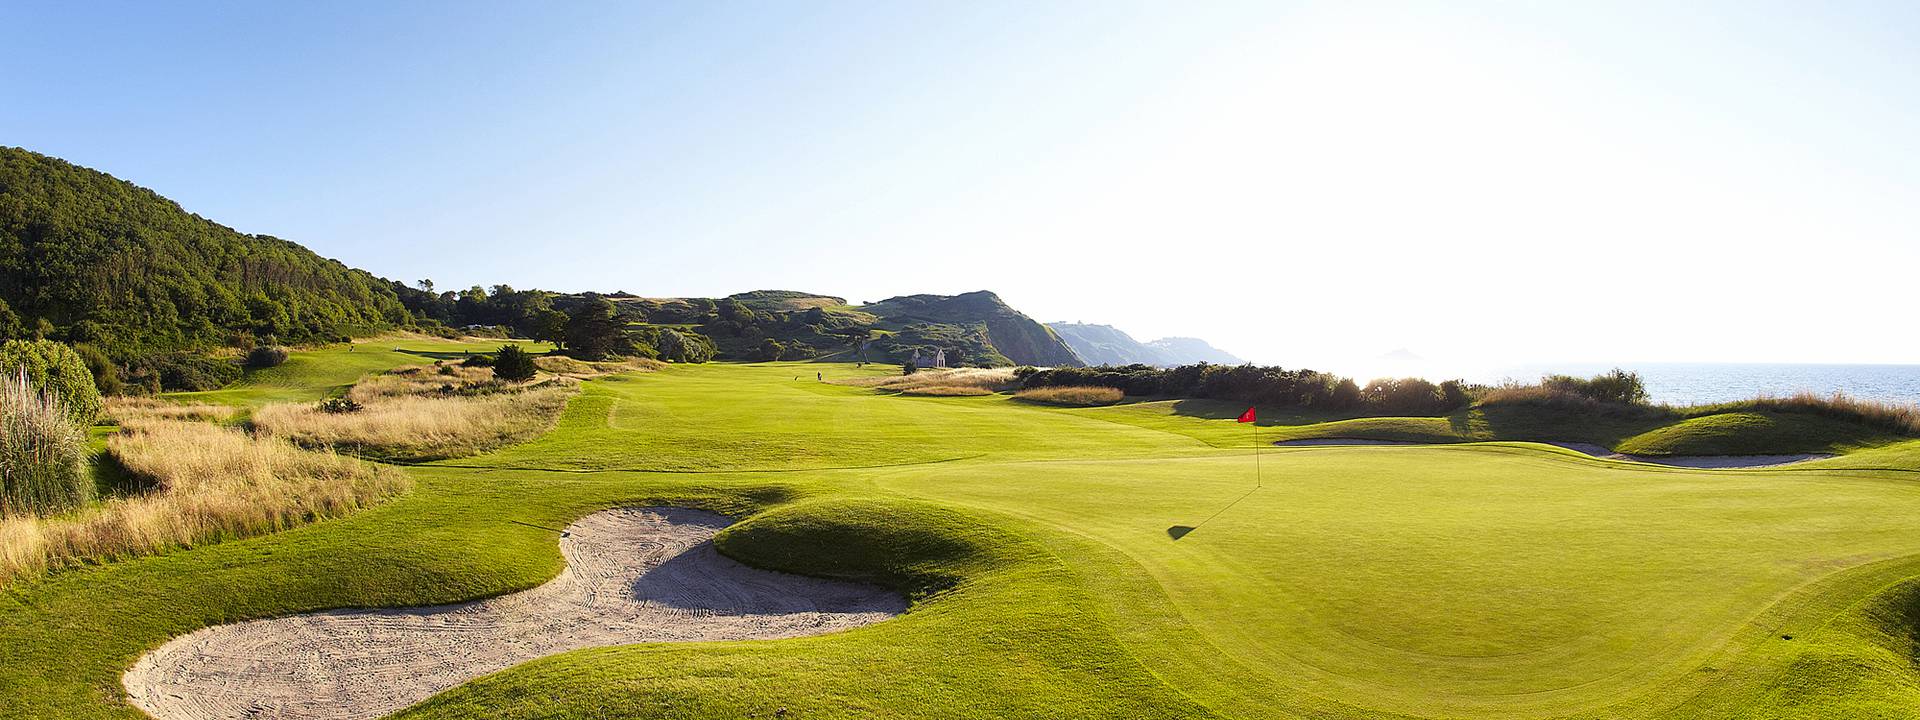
pixel 1470 581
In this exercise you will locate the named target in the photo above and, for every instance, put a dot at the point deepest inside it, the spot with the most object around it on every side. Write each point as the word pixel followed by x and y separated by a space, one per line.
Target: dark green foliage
pixel 513 364
pixel 339 405
pixel 1405 396
pixel 58 371
pixel 482 360
pixel 770 349
pixel 674 345
pixel 908 368
pixel 184 371
pixel 1242 383
pixel 106 375
pixel 549 325
pixel 88 258
pixel 1614 386
pixel 266 356
pixel 593 333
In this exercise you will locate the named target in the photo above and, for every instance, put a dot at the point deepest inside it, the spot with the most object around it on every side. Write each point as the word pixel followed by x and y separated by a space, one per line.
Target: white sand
pixel 633 575
pixel 1691 461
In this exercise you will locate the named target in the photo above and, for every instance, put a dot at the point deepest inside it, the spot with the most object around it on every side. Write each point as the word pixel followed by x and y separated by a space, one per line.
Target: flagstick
pixel 1256 454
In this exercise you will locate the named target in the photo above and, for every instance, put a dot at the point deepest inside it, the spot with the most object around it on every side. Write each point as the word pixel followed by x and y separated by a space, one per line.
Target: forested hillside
pixel 88 258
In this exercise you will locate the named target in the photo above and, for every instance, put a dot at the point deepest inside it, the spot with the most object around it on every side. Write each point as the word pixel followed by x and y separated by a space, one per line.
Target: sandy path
pixel 633 575
pixel 1705 462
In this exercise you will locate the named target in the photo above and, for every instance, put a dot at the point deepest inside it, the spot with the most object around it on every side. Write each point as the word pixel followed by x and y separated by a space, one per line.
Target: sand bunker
pixel 1694 461
pixel 1689 461
pixel 633 575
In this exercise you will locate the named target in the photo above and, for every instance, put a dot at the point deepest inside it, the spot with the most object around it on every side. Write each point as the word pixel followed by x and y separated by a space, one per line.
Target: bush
pixel 1404 396
pixel 339 405
pixel 184 371
pixel 58 371
pixel 106 375
pixel 42 452
pixel 1614 386
pixel 266 356
pixel 908 368
pixel 769 349
pixel 513 364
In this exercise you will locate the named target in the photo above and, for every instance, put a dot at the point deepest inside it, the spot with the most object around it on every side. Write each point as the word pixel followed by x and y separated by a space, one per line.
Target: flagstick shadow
pixel 1179 531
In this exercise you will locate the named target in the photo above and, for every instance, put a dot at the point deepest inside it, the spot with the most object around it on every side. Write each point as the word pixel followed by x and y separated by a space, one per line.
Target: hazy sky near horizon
pixel 1299 183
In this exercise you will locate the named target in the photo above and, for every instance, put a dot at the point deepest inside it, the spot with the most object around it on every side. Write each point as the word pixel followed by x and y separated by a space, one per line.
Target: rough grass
pixel 1892 417
pixel 210 483
pixel 123 410
pixel 417 427
pixel 582 369
pixel 989 380
pixel 947 391
pixel 1072 395
pixel 42 453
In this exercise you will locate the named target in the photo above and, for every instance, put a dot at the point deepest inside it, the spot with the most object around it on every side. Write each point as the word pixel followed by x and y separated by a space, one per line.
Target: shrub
pixel 266 356
pixel 42 452
pixel 513 364
pixel 339 406
pixel 477 361
pixel 106 375
pixel 1613 386
pixel 908 368
pixel 1404 396
pixel 769 349
pixel 1078 395
pixel 185 371
pixel 56 370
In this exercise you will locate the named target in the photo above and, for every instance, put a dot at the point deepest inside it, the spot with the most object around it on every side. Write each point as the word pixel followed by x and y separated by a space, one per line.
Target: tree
pixel 769 349
pixel 56 370
pixel 513 364
pixel 593 333
pixel 550 325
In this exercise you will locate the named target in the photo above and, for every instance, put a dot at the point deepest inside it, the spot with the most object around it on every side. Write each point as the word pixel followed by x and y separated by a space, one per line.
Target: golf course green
pixel 1117 562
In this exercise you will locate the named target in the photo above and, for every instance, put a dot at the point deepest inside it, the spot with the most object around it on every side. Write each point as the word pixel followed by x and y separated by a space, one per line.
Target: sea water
pixel 1700 383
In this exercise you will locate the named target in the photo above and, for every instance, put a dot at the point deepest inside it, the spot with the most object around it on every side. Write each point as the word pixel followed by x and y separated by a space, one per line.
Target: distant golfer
pixel 820 377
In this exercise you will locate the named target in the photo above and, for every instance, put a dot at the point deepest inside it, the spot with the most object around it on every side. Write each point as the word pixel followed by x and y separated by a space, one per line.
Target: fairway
pixel 1038 549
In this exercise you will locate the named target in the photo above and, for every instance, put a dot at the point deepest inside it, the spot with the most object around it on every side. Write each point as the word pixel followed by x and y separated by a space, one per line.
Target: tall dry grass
pixel 421 426
pixel 1900 418
pixel 582 369
pixel 211 483
pixel 42 452
pixel 1078 395
pixel 941 381
pixel 123 410
pixel 427 380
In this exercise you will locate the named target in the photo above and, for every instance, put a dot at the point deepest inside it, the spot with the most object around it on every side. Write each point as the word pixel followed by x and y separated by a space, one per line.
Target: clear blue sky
pixel 1299 183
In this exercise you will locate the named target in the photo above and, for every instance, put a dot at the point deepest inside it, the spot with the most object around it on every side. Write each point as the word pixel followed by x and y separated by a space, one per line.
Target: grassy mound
pixel 914 548
pixel 1752 433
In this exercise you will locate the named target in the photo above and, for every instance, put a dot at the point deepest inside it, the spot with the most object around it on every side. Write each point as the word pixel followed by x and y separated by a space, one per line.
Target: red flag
pixel 1246 416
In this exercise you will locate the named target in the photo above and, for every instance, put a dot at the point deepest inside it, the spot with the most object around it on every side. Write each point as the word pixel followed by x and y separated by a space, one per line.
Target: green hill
pixel 1013 334
pixel 86 257
pixel 974 329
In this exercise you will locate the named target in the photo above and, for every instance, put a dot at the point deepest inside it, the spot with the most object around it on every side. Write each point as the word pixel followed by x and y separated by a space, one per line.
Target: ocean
pixel 1700 383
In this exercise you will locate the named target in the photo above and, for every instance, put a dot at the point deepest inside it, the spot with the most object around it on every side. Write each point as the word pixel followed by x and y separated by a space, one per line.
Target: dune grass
pixel 1072 395
pixel 416 427
pixel 42 453
pixel 207 483
pixel 939 381
pixel 1471 581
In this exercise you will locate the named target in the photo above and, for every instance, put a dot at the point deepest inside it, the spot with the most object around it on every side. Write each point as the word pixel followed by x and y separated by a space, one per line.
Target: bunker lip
pixel 1704 462
pixel 633 575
